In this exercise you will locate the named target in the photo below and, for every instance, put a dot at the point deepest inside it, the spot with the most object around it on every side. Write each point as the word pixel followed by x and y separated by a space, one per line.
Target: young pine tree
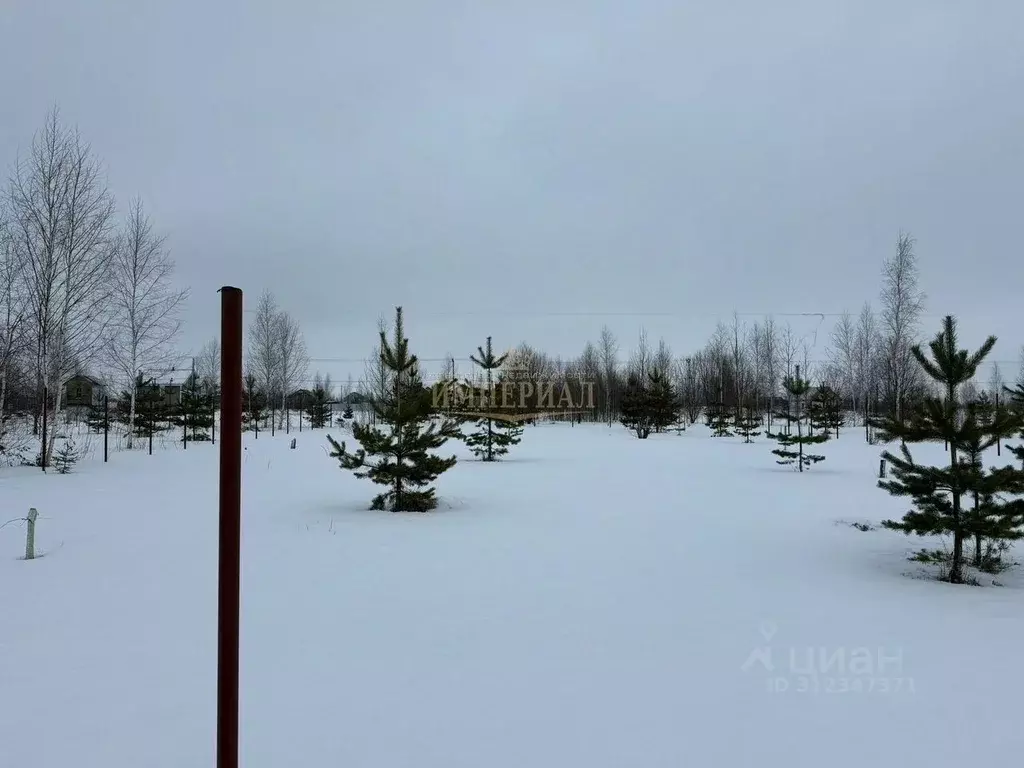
pixel 747 424
pixel 318 410
pixel 151 412
pixel 939 492
pixel 993 517
pixel 826 410
pixel 635 407
pixel 196 410
pixel 791 445
pixel 1016 406
pixel 493 436
pixel 396 454
pixel 662 400
pixel 719 419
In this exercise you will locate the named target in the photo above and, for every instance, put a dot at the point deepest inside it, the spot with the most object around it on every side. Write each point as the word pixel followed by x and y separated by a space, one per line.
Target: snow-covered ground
pixel 595 600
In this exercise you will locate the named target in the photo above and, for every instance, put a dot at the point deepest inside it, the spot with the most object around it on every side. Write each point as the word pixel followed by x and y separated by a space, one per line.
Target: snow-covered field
pixel 593 601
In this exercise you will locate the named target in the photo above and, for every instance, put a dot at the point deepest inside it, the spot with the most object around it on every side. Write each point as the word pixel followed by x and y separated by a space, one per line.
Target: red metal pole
pixel 229 565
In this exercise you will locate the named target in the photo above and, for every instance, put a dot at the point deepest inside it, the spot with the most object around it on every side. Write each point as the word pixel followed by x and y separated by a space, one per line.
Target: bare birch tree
pixel 995 381
pixel 208 363
pixel 62 215
pixel 843 356
pixel 608 351
pixel 902 305
pixel 262 362
pixel 753 345
pixel 789 349
pixel 376 383
pixel 13 307
pixel 145 306
pixel 642 359
pixel 292 358
pixel 867 342
pixel 771 364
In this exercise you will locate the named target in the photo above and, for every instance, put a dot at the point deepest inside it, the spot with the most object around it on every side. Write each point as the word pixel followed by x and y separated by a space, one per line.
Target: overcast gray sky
pixel 510 160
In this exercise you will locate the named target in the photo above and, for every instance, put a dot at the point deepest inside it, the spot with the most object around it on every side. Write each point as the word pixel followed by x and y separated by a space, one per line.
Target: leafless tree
pixel 62 216
pixel 145 306
pixel 208 363
pixel 866 344
pixel 789 349
pixel 902 305
pixel 754 353
pixel 806 371
pixel 663 357
pixel 263 361
pixel 740 364
pixel 292 357
pixel 641 360
pixel 376 383
pixel 325 383
pixel 13 307
pixel 608 350
pixel 995 381
pixel 969 391
pixel 771 347
pixel 843 357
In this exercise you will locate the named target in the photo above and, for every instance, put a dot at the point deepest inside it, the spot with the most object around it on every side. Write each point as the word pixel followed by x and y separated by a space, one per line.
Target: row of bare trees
pixel 81 288
pixel 866 358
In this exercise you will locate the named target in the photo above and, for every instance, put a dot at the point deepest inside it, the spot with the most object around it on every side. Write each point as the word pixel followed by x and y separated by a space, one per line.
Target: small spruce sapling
pixel 65 457
pixel 791 446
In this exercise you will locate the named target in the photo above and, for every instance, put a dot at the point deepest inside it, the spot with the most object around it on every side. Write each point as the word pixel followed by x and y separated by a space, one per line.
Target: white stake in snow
pixel 30 538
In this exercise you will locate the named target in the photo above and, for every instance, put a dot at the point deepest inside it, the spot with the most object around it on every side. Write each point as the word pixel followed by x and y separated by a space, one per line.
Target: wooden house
pixel 81 391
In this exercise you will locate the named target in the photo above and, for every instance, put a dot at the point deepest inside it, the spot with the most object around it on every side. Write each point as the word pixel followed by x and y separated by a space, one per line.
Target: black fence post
pixel 106 427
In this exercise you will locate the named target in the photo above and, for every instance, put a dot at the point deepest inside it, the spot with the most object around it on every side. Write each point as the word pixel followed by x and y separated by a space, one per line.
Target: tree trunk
pixel 57 403
pixel 956 566
pixel 131 415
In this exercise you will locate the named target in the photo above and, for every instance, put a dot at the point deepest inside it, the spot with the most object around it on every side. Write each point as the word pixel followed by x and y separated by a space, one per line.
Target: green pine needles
pixel 1016 406
pixel 493 436
pixel 792 442
pixel 651 405
pixel 747 423
pixel 964 498
pixel 398 455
